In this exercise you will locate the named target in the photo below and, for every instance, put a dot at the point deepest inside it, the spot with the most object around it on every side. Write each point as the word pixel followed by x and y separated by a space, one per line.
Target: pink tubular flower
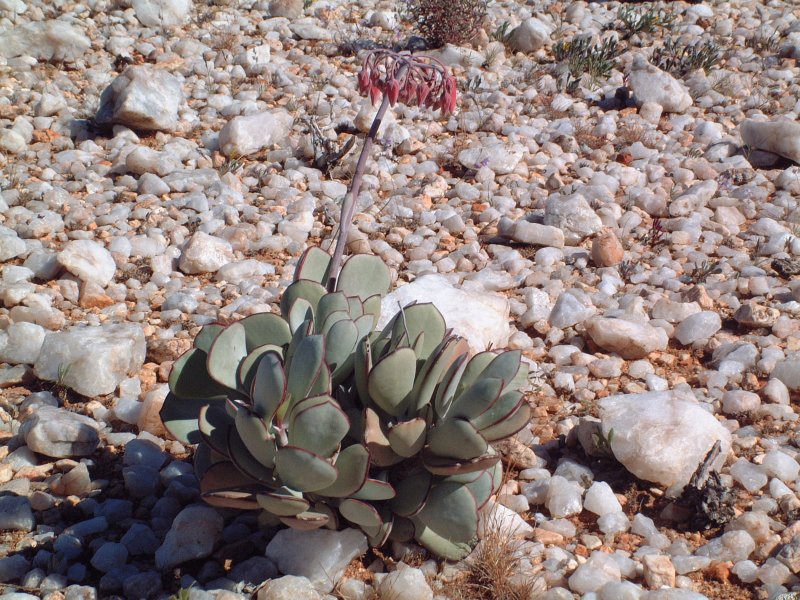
pixel 408 78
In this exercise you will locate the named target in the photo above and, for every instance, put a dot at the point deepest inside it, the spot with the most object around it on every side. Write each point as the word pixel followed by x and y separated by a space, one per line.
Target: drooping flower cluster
pixel 409 79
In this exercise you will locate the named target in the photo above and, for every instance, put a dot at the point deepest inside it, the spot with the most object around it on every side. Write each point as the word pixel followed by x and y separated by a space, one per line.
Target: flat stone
pixel 572 215
pixel 205 253
pixel 320 555
pixel 497 156
pixel 21 343
pixel 58 433
pixel 529 36
pixel 788 371
pixel 289 588
pixel 650 84
pixel 54 40
pixel 779 136
pixel 92 360
pixel 628 339
pixel 536 234
pixel 157 13
pixel 406 583
pixel 698 326
pixel 242 136
pixel 16 514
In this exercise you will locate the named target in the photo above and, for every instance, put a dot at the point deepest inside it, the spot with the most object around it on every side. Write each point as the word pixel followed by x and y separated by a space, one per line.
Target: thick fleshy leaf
pixel 205 458
pixel 283 502
pixel 456 439
pixel 340 343
pixel 377 442
pixel 392 379
pixel 375 489
pixel 475 367
pixel 505 366
pixel 311 291
pixel 189 378
pixel 262 329
pixel 306 521
pixel 313 265
pixel 364 275
pixel 362 365
pixel 378 536
pixel 504 407
pixel 449 351
pixel 269 386
pixel 361 513
pixel 300 312
pixel 451 511
pixel 224 486
pixel 416 319
pixel 476 399
pixel 247 463
pixel 481 484
pixel 412 493
pixel 179 416
pixel 255 435
pixel 408 438
pixel 304 471
pixel 439 545
pixel 402 529
pixel 446 390
pixel 331 303
pixel 207 335
pixel 319 428
pixel 227 351
pixel 372 307
pixel 355 307
pixel 510 425
pixel 306 365
pixel 353 466
pixel 214 423
pixel 447 466
pixel 322 383
pixel 247 368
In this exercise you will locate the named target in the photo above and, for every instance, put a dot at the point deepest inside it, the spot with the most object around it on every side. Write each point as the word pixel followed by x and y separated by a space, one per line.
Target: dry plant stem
pixel 349 204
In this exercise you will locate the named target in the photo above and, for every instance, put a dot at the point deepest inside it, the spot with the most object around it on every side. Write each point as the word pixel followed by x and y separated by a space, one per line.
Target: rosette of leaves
pixel 319 420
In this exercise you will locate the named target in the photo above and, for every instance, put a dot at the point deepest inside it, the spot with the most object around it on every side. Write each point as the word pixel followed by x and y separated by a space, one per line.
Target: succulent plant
pixel 318 419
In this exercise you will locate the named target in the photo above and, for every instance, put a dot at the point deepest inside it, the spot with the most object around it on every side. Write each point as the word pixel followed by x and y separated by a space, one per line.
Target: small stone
pixel 142 98
pixel 732 546
pixel 88 260
pixel 193 535
pixel 628 339
pixel 600 499
pixel 788 371
pixel 289 588
pixel 144 452
pixel 754 315
pixel 607 250
pixel 21 343
pixel 76 482
pixel 254 571
pixel 288 9
pixel 243 136
pixel 142 585
pixel 779 136
pixel 650 84
pixel 59 433
pixel 698 326
pixel 406 583
pixel 498 157
pixel 572 215
pixel 140 540
pixel 751 477
pixel 596 572
pixel 781 465
pixel 537 234
pixel 92 360
pixel 320 555
pixel 530 36
pixel 658 571
pixel 205 253
pixel 157 13
pixel 13 568
pixel 109 556
pixel 568 311
pixel 564 497
pixel 54 40
pixel 16 514
pixel 739 401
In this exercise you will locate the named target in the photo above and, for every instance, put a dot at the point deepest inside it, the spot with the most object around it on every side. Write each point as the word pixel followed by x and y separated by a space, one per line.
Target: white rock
pixel 308 29
pixel 193 535
pixel 733 546
pixel 320 555
pixel 21 343
pixel 15 6
pixel 242 136
pixel 451 55
pixel 143 160
pixel 788 371
pixel 44 40
pixel 781 465
pixel 629 340
pixel 288 587
pixel 496 156
pixel 573 215
pixel 288 9
pixel 650 84
pixel 480 318
pixel 563 497
pixel 531 35
pixel 142 98
pixel 58 433
pixel 205 253
pixel 89 261
pixel 92 360
pixel 568 311
pixel 406 583
pixel 537 234
pixel 662 436
pixel 236 272
pixel 11 245
pixel 698 326
pixel 780 136
pixel 599 570
pixel 162 13
pixel 739 401
pixel 12 142
pixel 600 499
pixel 496 518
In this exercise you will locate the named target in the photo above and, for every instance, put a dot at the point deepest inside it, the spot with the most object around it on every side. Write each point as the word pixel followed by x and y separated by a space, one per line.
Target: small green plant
pixel 702 271
pixel 501 33
pixel 443 22
pixel 232 164
pixel 603 442
pixel 763 41
pixel 642 19
pixel 680 59
pixel 581 56
pixel 181 594
pixel 60 386
pixel 656 235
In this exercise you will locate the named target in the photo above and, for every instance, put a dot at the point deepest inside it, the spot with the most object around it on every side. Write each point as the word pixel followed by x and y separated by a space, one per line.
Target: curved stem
pixel 349 204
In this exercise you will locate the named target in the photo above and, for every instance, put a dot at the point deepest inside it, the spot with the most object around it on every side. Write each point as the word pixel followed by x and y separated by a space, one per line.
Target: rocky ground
pixel 636 233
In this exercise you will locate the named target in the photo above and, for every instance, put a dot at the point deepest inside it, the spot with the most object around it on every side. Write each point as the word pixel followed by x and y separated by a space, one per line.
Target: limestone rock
pixel 779 136
pixel 650 84
pixel 242 136
pixel 205 253
pixel 162 13
pixel 661 436
pixel 59 433
pixel 629 340
pixel 88 260
pixel 573 215
pixel 142 98
pixel 44 40
pixel 193 535
pixel 530 36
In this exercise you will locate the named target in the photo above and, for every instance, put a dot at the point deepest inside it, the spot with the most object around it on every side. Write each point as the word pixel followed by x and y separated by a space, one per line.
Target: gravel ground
pixel 635 232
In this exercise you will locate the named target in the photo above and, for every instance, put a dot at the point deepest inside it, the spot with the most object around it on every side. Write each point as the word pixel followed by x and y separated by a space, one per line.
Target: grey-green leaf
pixel 304 471
pixel 392 379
